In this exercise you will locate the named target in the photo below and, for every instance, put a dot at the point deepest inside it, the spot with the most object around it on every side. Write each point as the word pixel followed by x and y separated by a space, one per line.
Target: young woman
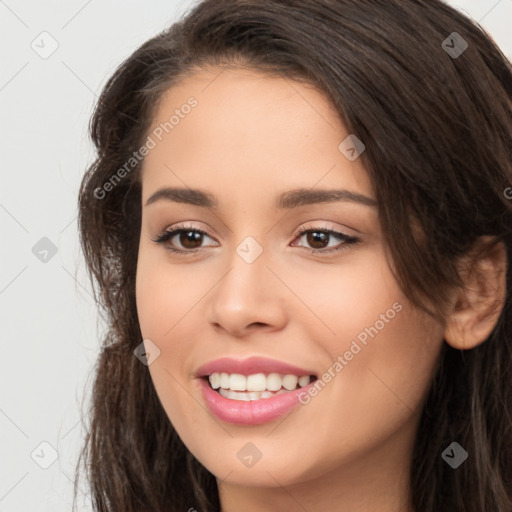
pixel 299 226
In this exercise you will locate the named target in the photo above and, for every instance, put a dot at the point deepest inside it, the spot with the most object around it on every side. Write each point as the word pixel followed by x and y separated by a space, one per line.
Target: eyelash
pixel 165 236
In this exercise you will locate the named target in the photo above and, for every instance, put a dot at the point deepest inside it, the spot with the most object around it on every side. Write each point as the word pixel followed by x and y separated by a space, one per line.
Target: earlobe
pixel 478 306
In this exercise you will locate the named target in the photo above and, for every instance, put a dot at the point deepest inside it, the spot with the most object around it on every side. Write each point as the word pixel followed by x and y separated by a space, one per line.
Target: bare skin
pixel 249 139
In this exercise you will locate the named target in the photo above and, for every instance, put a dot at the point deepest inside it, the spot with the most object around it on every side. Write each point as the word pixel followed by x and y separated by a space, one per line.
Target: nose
pixel 249 296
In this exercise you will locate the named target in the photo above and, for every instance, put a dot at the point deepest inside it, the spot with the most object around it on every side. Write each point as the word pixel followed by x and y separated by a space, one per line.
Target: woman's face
pixel 253 286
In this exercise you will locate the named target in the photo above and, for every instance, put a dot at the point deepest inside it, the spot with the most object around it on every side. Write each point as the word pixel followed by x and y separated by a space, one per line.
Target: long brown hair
pixel 437 129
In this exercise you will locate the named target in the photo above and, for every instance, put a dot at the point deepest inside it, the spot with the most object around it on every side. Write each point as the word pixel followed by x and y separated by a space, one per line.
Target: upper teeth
pixel 257 381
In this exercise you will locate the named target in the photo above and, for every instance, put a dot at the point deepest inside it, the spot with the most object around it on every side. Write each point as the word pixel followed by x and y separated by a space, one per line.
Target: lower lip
pixel 250 412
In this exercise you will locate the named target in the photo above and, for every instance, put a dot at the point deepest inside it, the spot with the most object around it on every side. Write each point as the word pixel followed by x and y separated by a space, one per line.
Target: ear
pixel 477 307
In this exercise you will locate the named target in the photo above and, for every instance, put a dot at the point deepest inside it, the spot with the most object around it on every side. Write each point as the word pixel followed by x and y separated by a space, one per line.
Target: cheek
pixel 166 298
pixel 347 297
pixel 387 380
pixel 165 293
pixel 384 354
pixel 163 298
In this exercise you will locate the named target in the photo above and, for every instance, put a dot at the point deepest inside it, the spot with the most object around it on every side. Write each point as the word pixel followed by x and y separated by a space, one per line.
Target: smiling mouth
pixel 235 386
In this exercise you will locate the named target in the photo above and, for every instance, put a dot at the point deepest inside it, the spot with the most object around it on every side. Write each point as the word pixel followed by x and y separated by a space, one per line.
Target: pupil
pixel 317 236
pixel 189 237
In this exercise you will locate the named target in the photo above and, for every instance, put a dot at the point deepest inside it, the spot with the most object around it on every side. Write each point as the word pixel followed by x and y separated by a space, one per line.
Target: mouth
pixel 257 386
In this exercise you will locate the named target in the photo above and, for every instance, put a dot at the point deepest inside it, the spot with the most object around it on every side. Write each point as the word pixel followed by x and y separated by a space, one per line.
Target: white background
pixel 49 326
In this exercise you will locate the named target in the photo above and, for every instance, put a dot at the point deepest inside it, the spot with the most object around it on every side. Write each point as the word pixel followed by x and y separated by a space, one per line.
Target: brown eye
pixel 190 239
pixel 182 239
pixel 318 240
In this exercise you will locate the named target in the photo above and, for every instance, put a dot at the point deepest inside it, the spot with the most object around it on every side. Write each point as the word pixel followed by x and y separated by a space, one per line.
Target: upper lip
pixel 250 366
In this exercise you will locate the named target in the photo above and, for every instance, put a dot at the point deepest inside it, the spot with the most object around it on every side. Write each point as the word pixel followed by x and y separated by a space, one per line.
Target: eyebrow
pixel 288 200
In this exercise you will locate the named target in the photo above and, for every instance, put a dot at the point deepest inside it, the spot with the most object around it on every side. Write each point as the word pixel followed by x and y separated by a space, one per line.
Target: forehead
pixel 223 128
